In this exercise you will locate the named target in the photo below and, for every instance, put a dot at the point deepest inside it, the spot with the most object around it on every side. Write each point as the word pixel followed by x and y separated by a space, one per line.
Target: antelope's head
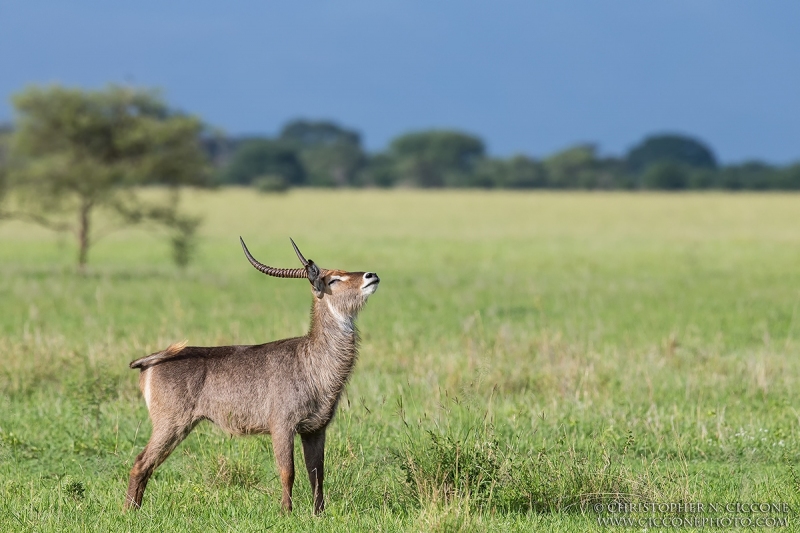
pixel 345 292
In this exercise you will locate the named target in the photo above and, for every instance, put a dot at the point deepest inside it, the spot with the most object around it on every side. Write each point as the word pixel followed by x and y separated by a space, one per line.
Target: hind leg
pixel 162 442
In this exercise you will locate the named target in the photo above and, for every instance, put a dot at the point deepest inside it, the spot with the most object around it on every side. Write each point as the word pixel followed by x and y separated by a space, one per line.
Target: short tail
pixel 149 360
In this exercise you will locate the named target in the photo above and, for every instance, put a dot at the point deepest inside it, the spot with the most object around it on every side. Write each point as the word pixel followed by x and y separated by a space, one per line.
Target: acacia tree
pixel 74 151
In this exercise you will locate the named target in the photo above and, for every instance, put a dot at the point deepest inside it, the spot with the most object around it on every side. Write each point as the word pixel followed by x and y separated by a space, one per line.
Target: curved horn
pixel 271 271
pixel 299 255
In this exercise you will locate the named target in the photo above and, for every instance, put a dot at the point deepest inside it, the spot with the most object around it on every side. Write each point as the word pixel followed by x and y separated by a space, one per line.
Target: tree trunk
pixel 83 233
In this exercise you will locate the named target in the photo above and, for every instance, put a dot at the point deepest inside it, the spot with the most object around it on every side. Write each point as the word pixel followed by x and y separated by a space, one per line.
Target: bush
pixel 269 184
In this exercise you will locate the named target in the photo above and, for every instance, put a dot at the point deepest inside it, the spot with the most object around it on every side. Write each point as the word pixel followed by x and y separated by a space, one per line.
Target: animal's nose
pixel 372 276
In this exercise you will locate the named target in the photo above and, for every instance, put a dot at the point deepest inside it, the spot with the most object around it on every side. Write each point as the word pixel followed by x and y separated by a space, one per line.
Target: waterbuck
pixel 281 388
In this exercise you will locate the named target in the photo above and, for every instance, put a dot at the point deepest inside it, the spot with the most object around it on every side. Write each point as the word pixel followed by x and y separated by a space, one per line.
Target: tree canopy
pixel 573 167
pixel 314 134
pixel 437 158
pixel 670 148
pixel 331 155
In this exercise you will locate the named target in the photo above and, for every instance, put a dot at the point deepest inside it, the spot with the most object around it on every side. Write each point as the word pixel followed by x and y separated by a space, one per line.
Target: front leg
pixel 283 445
pixel 314 452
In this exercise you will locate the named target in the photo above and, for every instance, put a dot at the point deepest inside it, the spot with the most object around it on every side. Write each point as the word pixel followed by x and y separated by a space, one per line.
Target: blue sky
pixel 530 77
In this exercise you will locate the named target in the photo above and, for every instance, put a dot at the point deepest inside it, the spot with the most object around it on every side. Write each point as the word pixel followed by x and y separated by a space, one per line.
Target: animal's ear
pixel 315 278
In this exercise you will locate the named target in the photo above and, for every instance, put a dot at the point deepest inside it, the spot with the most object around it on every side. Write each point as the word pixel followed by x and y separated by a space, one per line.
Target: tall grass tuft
pixel 464 458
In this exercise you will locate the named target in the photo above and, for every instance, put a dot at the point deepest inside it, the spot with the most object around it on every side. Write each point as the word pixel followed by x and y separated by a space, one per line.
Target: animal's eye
pixel 331 282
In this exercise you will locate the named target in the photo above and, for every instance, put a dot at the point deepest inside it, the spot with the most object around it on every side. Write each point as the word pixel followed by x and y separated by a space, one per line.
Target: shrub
pixel 271 183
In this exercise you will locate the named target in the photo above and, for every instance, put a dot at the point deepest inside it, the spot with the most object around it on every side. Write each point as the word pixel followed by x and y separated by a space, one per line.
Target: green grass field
pixel 527 357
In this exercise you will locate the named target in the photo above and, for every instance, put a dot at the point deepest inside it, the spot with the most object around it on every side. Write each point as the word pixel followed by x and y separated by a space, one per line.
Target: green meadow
pixel 529 361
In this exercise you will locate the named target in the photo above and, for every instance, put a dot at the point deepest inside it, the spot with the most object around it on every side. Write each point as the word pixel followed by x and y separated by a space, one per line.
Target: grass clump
pixel 463 458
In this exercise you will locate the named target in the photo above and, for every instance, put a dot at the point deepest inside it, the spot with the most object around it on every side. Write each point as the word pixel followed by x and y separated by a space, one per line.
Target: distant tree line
pixel 72 153
pixel 324 154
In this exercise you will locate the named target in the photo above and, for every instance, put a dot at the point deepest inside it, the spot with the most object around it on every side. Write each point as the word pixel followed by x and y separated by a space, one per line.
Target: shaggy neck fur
pixel 331 351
